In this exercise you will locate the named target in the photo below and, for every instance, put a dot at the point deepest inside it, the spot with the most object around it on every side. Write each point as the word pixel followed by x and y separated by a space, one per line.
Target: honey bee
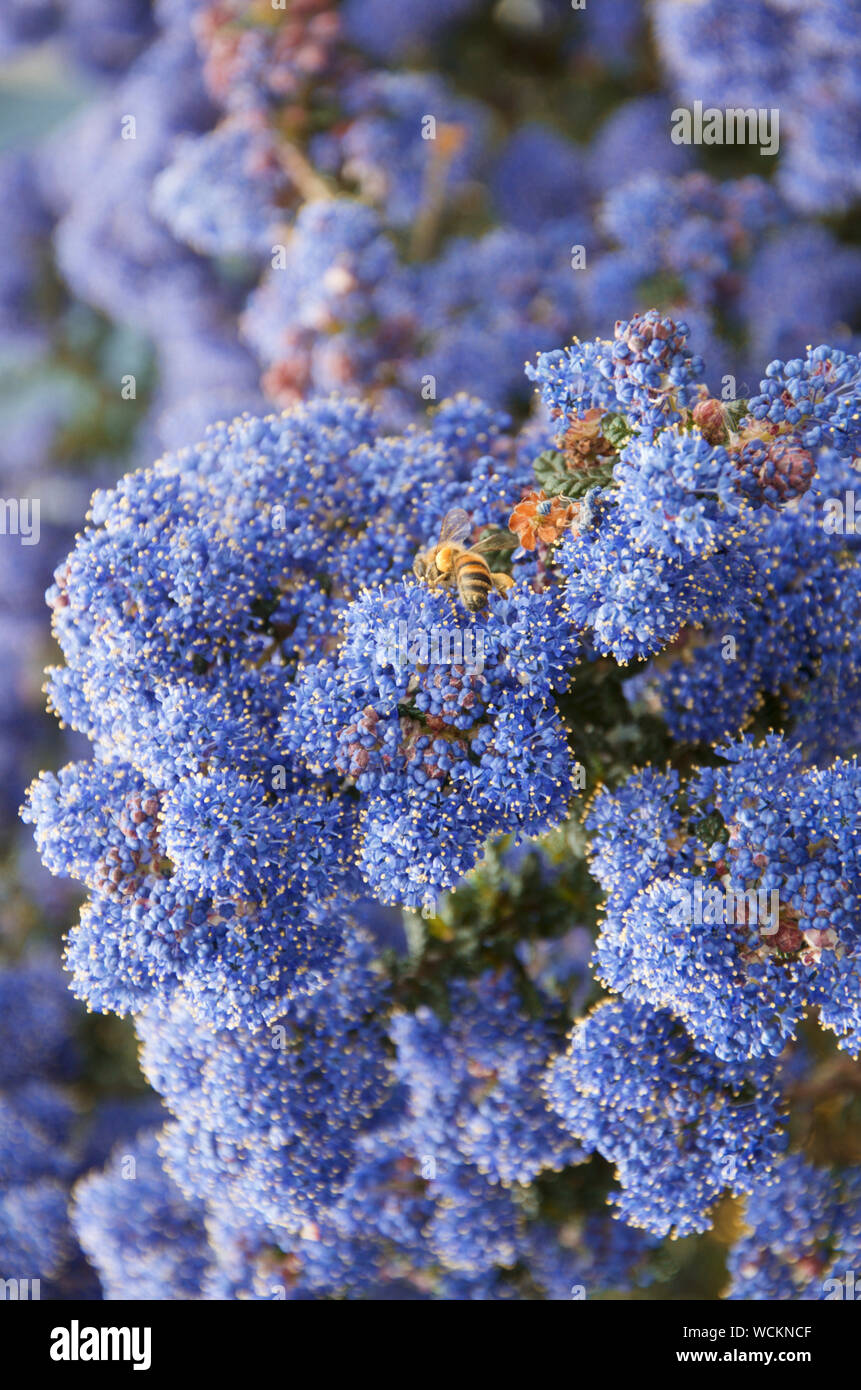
pixel 451 562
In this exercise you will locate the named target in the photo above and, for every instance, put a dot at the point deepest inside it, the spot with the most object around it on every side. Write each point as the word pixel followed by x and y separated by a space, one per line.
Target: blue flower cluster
pixel 803 1233
pixel 691 532
pixel 212 826
pixel 267 1115
pixel 320 1175
pixel 474 1086
pixel 146 1240
pixel 37 1118
pixel 801 624
pixel 740 913
pixel 679 1128
pixel 103 40
pixel 785 54
pixel 444 754
pixel 480 243
pixel 48 1135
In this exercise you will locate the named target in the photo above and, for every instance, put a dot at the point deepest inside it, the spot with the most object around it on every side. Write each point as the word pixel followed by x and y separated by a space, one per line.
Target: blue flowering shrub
pixel 453 804
pixel 289 731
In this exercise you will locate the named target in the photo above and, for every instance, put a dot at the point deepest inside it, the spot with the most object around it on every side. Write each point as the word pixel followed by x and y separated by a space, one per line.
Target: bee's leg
pixel 447 579
pixel 502 582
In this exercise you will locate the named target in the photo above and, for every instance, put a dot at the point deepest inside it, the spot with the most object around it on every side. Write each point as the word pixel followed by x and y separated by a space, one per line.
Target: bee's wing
pixel 456 526
pixel 495 541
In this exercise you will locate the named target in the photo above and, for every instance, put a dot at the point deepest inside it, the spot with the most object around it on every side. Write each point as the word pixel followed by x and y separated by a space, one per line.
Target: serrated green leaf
pixel 578 484
pixel 557 481
pixel 549 468
pixel 615 429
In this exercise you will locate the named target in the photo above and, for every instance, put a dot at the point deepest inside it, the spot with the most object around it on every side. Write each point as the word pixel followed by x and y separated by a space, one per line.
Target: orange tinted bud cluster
pixel 540 518
pixel 583 441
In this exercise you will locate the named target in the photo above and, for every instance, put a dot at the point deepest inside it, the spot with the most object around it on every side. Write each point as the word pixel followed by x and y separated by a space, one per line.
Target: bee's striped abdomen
pixel 473 580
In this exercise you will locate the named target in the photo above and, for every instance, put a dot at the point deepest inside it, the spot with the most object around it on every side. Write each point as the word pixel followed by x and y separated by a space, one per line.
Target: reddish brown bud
pixel 709 419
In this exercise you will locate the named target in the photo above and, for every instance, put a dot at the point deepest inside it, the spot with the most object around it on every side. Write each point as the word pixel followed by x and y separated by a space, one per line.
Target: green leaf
pixel 711 828
pixel 556 480
pixel 550 470
pixel 615 429
pixel 578 484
